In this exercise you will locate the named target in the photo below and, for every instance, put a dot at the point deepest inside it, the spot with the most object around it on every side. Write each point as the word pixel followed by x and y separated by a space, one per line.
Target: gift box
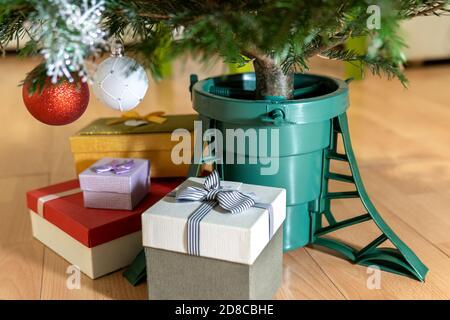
pixel 215 240
pixel 115 183
pixel 98 241
pixel 113 138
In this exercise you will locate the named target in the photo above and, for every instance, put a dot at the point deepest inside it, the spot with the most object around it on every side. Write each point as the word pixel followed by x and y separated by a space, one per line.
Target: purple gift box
pixel 115 183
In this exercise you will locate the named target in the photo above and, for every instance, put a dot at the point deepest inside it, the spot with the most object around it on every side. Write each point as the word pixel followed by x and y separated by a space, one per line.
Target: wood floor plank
pixel 351 279
pixel 21 256
pixel 416 176
pixel 113 286
pixel 427 213
pixel 408 115
pixel 304 279
pixel 376 143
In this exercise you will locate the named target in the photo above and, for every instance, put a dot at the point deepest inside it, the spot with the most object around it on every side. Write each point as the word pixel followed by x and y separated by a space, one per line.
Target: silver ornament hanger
pixel 117 48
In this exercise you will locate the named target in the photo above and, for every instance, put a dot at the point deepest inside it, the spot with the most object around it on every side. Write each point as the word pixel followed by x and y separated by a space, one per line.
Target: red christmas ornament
pixel 57 104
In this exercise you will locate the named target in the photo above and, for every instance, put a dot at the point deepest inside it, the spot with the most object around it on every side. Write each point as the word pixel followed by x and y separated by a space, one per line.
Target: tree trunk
pixel 271 81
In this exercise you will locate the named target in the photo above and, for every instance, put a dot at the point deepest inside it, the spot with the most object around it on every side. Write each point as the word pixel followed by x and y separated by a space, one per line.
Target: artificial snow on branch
pixel 69 33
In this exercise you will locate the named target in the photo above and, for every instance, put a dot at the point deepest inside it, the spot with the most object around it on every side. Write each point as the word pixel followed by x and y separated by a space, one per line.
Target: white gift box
pixel 94 262
pixel 238 238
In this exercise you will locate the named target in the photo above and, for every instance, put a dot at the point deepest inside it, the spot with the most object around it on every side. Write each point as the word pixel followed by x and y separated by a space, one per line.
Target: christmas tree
pixel 278 37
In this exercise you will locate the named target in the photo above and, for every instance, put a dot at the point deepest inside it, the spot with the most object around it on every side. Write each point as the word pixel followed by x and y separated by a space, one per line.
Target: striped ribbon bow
pixel 212 194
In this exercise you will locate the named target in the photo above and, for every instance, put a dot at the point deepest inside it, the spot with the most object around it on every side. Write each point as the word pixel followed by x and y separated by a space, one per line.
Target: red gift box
pixel 98 241
pixel 93 227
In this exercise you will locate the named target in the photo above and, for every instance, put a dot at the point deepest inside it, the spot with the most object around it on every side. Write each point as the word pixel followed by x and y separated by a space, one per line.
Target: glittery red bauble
pixel 57 104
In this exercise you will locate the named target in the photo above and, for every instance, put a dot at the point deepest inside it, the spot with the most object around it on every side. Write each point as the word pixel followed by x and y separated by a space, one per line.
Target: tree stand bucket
pixel 297 158
pixel 304 130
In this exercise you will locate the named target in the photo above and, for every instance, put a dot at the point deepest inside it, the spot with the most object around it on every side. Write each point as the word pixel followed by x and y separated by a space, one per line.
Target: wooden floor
pixel 401 139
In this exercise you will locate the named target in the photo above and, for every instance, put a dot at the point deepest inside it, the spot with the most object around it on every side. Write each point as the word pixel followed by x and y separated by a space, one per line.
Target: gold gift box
pixel 107 137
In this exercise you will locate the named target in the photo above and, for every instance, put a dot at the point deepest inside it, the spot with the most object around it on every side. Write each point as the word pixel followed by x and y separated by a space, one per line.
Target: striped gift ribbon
pixel 212 194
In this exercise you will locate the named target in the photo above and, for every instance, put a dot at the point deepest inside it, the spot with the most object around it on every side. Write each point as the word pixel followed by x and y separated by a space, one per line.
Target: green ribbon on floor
pixel 136 272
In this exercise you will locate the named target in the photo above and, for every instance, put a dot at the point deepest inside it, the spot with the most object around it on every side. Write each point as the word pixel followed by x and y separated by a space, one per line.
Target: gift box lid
pixel 62 205
pixel 109 181
pixel 103 126
pixel 239 237
pixel 100 136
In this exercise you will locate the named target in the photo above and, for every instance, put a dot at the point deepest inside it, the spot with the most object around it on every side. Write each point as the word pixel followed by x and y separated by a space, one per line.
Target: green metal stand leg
pixel 400 260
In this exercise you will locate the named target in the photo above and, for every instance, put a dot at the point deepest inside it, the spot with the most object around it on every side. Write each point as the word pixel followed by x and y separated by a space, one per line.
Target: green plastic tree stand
pixel 309 127
pixel 401 260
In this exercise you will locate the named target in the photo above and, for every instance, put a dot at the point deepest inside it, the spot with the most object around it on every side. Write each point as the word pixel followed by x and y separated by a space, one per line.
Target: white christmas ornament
pixel 120 83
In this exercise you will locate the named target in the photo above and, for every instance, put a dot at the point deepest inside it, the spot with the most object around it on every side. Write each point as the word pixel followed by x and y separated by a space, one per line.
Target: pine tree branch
pixel 434 8
pixel 325 47
pixel 281 33
pixel 377 65
pixel 151 15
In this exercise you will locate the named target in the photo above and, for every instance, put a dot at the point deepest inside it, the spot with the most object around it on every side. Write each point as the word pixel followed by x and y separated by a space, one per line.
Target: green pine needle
pixel 288 33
